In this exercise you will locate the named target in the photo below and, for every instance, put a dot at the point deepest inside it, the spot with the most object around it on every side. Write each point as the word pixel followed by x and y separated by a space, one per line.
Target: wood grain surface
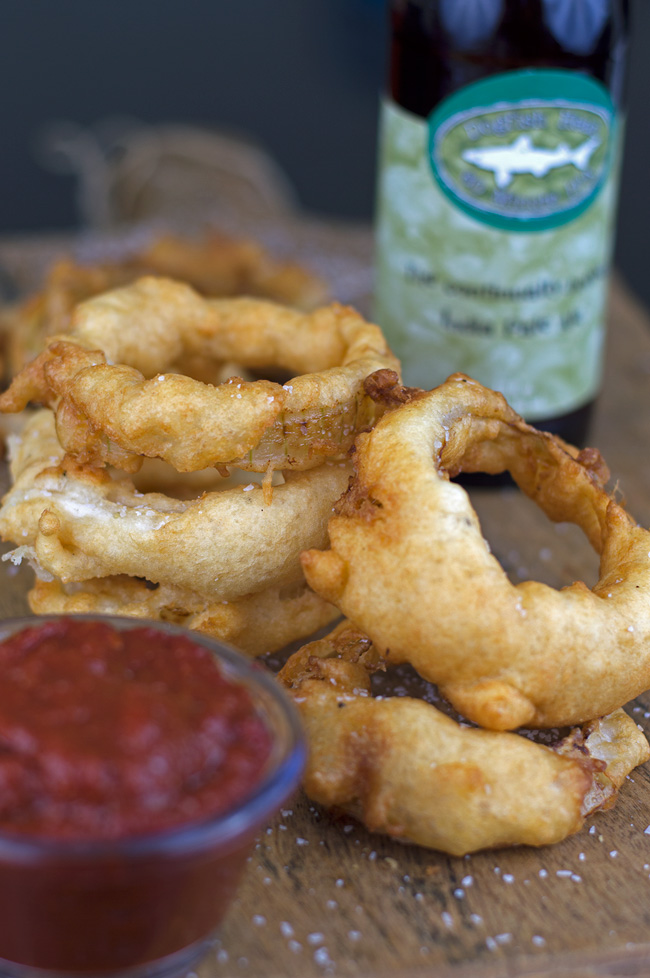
pixel 321 896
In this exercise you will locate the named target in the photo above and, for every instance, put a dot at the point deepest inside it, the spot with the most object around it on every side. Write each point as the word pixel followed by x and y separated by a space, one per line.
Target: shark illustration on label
pixel 519 159
pixel 523 156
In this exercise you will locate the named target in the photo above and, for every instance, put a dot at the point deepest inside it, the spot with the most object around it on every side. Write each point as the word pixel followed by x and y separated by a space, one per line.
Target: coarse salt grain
pixel 321 956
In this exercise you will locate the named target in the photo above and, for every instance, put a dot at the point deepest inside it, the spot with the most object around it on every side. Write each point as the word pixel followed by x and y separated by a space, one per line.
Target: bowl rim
pixel 224 830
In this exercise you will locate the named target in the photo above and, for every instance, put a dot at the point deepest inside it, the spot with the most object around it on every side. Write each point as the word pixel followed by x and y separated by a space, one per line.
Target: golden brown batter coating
pixel 114 385
pixel 255 624
pixel 406 769
pixel 77 522
pixel 505 655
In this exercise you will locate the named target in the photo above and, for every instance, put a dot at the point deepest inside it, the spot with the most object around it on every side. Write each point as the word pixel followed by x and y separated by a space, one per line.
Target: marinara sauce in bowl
pixel 138 761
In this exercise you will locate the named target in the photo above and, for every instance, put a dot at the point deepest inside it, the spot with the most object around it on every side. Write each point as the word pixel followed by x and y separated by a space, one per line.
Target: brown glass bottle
pixel 439 47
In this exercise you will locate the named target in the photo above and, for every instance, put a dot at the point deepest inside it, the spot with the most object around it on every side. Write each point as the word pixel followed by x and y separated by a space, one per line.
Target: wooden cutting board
pixel 321 896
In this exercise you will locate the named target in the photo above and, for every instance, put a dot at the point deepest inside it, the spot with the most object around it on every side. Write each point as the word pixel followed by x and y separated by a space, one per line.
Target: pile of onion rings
pixel 406 769
pixel 157 480
pixel 504 655
pixel 225 562
pixel 114 395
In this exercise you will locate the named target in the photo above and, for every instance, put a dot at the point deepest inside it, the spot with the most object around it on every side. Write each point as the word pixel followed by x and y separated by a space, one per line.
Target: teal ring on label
pixel 525 150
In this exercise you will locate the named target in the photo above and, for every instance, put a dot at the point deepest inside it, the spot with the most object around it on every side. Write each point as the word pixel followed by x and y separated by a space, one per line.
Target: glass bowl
pixel 143 906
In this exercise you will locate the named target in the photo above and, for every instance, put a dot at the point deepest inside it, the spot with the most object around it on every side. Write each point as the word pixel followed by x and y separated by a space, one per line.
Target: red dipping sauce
pixel 137 762
pixel 106 734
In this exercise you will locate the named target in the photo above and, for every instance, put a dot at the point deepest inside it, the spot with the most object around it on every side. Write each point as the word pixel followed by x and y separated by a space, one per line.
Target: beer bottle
pixel 499 154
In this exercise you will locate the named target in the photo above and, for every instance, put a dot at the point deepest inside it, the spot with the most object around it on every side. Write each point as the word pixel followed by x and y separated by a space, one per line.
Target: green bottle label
pixel 494 232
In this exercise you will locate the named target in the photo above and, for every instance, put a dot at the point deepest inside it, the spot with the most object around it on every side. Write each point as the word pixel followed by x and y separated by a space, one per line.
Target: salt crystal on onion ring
pixel 505 655
pixel 116 397
pixel 406 769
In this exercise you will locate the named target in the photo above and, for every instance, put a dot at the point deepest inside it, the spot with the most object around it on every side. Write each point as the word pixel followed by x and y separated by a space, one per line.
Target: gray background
pixel 301 77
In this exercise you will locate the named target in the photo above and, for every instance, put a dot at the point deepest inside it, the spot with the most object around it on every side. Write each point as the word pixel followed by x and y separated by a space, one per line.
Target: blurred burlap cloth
pixel 136 182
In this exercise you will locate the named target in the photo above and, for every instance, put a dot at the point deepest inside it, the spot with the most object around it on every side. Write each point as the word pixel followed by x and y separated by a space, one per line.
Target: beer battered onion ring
pixel 76 523
pixel 217 265
pixel 108 412
pixel 505 655
pixel 255 624
pixel 406 769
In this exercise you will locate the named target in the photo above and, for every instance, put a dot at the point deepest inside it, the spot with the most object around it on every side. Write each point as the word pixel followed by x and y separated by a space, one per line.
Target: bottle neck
pixel 438 46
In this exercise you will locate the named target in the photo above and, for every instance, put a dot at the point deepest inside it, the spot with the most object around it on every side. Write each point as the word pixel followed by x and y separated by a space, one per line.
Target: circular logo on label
pixel 523 151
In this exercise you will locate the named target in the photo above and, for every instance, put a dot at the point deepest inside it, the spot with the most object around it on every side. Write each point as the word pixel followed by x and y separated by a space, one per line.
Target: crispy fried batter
pixel 505 655
pixel 255 624
pixel 218 265
pixel 108 412
pixel 407 770
pixel 78 522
